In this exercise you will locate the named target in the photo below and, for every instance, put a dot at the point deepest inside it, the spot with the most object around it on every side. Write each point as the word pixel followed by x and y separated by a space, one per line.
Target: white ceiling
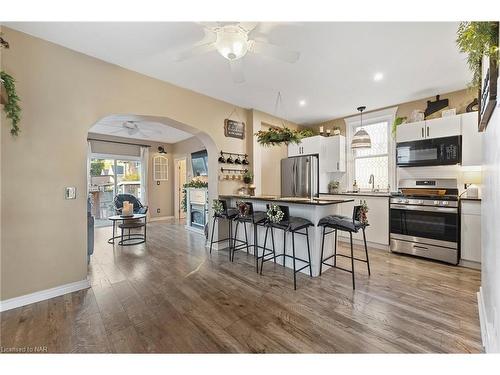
pixel 148 130
pixel 334 74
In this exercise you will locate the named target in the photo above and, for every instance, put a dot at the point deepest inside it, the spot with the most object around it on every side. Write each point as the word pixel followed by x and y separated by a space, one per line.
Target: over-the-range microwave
pixel 428 152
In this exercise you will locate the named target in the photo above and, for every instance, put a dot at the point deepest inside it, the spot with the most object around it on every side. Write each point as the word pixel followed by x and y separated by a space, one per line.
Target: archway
pixel 167 126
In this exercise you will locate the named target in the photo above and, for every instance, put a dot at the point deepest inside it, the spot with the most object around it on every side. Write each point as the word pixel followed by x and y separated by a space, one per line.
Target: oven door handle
pixel 451 210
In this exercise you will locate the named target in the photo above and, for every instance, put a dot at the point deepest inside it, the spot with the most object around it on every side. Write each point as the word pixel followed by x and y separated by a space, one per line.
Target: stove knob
pixel 436 203
pixel 445 203
pixel 400 201
pixel 407 201
pixel 420 201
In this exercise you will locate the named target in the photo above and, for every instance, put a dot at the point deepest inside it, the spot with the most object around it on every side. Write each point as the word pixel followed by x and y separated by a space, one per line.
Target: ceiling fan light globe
pixel 231 43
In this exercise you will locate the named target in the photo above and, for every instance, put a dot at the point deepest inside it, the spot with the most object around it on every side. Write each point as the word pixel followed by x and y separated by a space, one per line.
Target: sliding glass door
pixel 109 177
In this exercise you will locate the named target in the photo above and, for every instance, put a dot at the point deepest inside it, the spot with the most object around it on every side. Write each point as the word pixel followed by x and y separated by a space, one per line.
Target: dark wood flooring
pixel 171 296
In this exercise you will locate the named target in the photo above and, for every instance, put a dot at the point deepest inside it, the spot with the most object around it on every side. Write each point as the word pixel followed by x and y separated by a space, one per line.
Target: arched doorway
pixel 137 130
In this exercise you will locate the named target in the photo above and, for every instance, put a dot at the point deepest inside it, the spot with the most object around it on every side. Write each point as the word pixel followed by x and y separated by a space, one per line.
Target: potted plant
pixel 11 103
pixel 478 39
pixel 397 121
pixel 333 187
pixel 248 177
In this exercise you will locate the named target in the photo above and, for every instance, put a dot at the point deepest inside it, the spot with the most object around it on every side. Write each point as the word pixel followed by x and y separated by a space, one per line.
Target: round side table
pixel 128 222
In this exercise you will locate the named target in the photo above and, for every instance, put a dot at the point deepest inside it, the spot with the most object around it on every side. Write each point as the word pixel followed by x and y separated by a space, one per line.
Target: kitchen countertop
pixel 361 194
pixel 304 201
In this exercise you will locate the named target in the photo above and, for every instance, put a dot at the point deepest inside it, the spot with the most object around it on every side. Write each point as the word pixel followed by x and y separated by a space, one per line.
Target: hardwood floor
pixel 171 296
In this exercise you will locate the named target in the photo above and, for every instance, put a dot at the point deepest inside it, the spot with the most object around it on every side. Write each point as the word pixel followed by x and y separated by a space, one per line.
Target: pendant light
pixel 361 138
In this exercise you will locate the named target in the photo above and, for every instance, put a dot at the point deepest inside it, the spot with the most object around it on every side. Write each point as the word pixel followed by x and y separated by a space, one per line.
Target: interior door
pixel 180 180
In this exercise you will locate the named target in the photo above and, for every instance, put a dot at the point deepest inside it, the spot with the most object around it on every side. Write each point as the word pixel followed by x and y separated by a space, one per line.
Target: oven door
pixel 433 225
pixel 428 152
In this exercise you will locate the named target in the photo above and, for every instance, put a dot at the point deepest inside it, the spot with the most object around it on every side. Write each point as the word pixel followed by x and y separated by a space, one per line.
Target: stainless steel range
pixel 424 219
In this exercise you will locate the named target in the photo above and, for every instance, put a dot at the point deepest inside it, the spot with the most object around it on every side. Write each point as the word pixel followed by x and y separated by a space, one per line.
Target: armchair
pixel 138 207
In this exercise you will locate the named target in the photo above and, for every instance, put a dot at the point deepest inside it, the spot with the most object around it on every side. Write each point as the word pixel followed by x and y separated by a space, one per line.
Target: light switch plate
pixel 70 192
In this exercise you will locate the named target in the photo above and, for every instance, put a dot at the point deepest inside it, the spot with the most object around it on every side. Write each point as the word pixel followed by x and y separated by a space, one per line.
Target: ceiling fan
pixel 232 42
pixel 132 128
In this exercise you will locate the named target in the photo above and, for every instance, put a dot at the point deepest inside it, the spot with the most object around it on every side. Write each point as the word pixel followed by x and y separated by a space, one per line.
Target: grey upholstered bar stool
pixel 343 223
pixel 246 215
pixel 294 225
pixel 227 214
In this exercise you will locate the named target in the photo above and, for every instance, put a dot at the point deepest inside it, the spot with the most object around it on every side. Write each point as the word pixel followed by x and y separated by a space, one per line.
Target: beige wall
pixel 457 99
pixel 63 93
pixel 266 160
pixel 184 149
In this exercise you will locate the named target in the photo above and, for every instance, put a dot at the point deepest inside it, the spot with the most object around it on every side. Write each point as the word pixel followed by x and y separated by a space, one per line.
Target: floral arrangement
pixel 363 218
pixel 275 136
pixel 243 209
pixel 275 214
pixel 217 207
pixel 194 183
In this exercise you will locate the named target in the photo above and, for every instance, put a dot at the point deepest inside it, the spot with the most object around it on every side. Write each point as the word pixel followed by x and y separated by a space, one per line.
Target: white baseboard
pixel 218 246
pixel 160 218
pixel 42 295
pixel 483 322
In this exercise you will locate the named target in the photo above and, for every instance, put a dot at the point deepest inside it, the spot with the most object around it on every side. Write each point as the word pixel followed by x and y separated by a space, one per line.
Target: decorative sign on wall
pixel 234 129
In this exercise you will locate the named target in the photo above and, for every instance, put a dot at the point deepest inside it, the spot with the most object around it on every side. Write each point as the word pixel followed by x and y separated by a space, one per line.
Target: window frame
pixel 386 115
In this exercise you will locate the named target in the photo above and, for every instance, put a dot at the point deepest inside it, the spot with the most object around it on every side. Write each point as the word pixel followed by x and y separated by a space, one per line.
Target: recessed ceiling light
pixel 302 103
pixel 378 76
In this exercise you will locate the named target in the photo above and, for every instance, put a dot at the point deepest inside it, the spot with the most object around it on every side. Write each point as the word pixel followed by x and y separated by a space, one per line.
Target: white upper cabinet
pixel 410 132
pixel 472 140
pixel 436 128
pixel 331 151
pixel 332 154
pixel 442 127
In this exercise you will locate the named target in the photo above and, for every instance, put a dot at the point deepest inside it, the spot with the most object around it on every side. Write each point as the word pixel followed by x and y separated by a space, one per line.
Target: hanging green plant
pixel 11 105
pixel 191 184
pixel 276 136
pixel 477 39
pixel 397 121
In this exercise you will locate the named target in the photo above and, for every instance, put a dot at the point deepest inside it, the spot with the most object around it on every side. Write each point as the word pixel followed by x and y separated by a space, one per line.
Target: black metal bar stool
pixel 294 225
pixel 227 214
pixel 346 224
pixel 246 215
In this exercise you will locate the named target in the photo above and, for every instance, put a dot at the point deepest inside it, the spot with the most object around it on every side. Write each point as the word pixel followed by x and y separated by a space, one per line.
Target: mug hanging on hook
pixel 230 160
pixel 221 158
pixel 238 160
pixel 245 161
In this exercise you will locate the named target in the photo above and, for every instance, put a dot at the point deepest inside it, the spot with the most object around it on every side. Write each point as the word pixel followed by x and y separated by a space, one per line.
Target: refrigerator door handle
pixel 294 171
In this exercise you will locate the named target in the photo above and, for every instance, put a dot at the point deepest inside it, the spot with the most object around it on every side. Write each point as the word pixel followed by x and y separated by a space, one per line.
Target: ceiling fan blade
pixel 248 26
pixel 117 131
pixel 275 52
pixel 140 132
pixel 195 51
pixel 237 70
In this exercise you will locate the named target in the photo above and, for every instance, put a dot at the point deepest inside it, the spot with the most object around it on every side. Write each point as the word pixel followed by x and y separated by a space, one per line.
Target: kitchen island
pixel 311 209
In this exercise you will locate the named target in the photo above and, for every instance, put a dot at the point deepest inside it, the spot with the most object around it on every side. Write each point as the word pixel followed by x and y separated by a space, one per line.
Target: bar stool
pixel 294 225
pixel 346 224
pixel 227 214
pixel 247 215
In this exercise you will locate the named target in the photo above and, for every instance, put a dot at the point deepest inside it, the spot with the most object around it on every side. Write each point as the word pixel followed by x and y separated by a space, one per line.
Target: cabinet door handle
pixel 422 132
pixel 337 166
pixel 427 131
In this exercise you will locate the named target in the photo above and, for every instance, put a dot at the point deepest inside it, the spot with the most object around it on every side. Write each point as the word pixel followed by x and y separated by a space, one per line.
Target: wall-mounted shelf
pixel 234 170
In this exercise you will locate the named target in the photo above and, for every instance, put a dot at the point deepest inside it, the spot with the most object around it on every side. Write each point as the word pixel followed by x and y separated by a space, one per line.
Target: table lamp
pixel 471 179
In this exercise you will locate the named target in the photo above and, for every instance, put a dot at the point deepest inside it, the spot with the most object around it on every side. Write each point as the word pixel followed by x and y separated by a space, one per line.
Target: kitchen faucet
pixel 372 181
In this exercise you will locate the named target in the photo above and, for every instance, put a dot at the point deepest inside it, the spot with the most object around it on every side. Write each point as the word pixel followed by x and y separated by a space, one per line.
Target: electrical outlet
pixel 157 210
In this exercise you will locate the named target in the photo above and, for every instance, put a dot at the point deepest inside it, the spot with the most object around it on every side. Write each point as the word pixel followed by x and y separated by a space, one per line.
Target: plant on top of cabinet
pixel 478 39
pixel 397 121
pixel 276 136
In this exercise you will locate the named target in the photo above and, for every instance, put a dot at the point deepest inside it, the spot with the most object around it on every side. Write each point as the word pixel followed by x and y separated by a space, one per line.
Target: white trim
pixel 161 218
pixel 387 114
pixel 177 187
pixel 43 295
pixel 96 155
pixel 483 322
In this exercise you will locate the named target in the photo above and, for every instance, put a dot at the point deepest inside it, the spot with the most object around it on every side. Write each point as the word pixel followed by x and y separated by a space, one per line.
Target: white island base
pixel 312 210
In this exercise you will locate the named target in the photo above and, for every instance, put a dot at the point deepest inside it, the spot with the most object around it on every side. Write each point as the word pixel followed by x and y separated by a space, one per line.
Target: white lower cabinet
pixel 470 231
pixel 378 218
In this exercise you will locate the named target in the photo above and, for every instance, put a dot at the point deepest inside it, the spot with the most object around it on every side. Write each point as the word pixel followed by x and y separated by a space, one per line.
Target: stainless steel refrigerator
pixel 299 177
